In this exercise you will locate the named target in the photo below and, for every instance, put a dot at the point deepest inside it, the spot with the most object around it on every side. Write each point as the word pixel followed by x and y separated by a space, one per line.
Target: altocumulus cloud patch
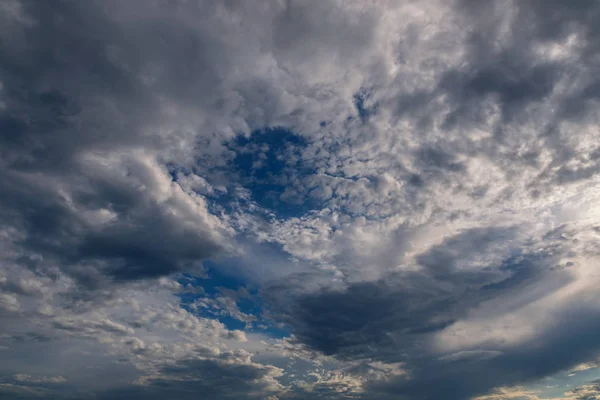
pixel 299 200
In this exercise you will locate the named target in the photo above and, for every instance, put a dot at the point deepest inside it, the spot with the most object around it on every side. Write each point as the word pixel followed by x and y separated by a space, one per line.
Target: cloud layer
pixel 299 199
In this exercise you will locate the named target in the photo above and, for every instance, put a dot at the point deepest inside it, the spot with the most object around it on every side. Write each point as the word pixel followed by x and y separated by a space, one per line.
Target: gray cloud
pixel 588 391
pixel 85 103
pixel 423 225
pixel 397 319
pixel 212 378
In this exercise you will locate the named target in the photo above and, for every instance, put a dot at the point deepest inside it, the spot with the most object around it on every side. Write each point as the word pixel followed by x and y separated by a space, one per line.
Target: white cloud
pixel 446 156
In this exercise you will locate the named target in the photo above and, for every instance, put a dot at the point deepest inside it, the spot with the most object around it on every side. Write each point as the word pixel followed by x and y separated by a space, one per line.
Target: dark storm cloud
pixel 67 96
pixel 210 378
pixel 60 94
pixel 145 240
pixel 364 320
pixel 566 343
pixel 370 318
pixel 369 322
pixel 394 320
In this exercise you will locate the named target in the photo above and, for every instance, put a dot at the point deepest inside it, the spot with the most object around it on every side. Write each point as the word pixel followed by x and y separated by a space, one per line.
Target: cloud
pixel 228 377
pixel 588 391
pixel 502 321
pixel 297 199
pixel 43 379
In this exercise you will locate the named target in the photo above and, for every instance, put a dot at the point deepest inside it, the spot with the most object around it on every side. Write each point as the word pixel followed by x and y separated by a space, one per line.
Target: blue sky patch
pixel 205 296
pixel 268 163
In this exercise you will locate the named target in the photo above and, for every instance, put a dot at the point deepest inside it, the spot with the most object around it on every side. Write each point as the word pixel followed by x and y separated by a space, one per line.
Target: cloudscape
pixel 298 199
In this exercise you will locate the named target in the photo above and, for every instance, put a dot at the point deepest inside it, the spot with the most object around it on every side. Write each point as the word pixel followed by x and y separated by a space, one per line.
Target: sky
pixel 300 199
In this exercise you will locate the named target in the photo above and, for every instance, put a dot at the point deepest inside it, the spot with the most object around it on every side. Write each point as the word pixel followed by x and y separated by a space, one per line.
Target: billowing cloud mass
pixel 294 199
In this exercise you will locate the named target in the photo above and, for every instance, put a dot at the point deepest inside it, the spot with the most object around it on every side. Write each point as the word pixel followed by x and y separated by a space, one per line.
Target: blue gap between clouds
pixel 266 162
pixel 211 284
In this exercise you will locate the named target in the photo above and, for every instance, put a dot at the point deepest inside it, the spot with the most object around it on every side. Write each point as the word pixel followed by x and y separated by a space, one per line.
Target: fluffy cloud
pixel 298 199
